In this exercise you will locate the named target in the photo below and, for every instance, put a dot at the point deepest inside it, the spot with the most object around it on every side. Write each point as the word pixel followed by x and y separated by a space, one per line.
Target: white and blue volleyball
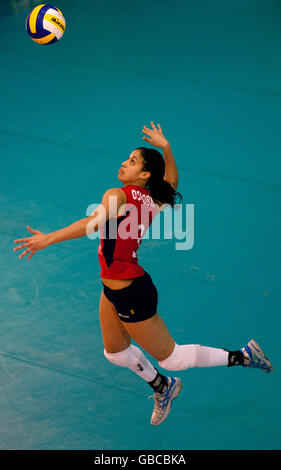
pixel 45 24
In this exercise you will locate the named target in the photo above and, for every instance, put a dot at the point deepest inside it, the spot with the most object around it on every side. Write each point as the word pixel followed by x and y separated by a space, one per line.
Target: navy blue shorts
pixel 134 303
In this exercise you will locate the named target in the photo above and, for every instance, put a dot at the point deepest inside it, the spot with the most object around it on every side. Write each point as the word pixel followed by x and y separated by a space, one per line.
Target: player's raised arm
pixel 112 200
pixel 157 139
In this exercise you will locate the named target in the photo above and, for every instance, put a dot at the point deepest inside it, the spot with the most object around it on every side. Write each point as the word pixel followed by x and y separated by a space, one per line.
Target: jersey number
pixel 141 228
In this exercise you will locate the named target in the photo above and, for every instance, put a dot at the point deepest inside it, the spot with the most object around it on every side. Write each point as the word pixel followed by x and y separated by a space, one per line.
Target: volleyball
pixel 45 24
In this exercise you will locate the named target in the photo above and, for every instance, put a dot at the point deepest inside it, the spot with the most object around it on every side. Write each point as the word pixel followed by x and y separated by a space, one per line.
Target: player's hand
pixel 155 136
pixel 32 244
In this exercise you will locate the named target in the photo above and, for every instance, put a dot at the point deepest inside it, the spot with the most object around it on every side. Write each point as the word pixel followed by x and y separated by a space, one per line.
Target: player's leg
pixel 153 336
pixel 115 336
pixel 134 304
pixel 118 348
pixel 137 313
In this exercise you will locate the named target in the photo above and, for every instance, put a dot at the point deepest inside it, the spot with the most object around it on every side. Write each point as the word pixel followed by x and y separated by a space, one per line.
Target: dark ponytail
pixel 160 190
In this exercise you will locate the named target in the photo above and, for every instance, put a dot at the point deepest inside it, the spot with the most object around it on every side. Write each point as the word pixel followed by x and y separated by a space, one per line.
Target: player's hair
pixel 160 190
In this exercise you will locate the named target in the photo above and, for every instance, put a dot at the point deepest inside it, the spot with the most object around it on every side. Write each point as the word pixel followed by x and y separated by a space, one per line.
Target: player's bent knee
pixel 122 358
pixel 182 357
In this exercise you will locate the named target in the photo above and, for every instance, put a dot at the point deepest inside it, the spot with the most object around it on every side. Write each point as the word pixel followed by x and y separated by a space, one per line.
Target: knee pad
pixel 182 357
pixel 122 358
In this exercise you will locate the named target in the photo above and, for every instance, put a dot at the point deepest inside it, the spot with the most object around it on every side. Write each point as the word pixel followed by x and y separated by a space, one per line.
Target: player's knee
pixel 121 358
pixel 182 357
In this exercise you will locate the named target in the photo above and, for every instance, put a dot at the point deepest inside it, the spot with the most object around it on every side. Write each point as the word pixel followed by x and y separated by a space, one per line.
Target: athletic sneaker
pixel 163 401
pixel 255 357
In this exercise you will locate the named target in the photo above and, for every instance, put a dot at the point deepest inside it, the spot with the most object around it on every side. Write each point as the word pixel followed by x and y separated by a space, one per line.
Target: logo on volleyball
pixel 55 20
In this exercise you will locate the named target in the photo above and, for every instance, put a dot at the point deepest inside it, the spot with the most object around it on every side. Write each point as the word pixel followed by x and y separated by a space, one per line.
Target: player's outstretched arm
pixel 112 200
pixel 156 138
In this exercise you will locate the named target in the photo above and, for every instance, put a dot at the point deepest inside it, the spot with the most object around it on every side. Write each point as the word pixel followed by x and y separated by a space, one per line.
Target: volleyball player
pixel 128 302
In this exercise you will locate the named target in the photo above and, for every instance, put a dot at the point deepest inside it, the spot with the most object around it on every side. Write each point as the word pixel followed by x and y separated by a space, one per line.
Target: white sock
pixel 135 360
pixel 210 357
pixel 148 372
pixel 194 355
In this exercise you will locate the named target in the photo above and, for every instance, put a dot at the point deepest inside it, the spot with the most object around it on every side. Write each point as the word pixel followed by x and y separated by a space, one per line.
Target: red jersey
pixel 121 236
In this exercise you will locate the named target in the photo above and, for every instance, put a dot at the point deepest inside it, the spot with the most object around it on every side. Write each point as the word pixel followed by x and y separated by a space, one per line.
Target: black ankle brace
pixel 236 358
pixel 159 384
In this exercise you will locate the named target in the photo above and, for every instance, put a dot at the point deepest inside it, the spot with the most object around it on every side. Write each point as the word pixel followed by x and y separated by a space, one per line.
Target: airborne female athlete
pixel 128 302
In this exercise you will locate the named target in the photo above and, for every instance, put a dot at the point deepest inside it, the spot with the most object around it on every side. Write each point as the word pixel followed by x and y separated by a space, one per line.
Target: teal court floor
pixel 209 72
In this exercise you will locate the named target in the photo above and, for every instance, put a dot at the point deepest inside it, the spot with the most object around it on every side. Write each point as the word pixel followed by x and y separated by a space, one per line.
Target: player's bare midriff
pixel 116 284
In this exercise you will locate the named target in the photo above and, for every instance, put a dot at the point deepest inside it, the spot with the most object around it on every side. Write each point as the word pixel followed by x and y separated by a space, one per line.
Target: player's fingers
pixel 152 124
pixel 160 128
pixel 20 247
pixel 30 256
pixel 19 240
pixel 147 140
pixel 25 252
pixel 32 230
pixel 147 131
